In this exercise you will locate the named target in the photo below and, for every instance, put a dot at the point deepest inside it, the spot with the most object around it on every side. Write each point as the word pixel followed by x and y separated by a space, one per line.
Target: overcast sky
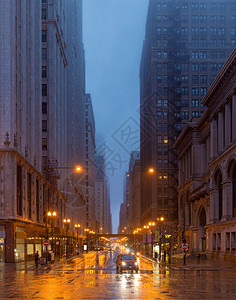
pixel 113 38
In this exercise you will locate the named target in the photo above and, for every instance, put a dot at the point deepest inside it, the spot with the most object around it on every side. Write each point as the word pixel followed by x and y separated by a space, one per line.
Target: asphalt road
pixel 93 276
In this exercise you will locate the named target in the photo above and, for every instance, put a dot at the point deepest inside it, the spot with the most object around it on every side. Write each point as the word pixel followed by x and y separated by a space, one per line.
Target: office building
pixel 186 45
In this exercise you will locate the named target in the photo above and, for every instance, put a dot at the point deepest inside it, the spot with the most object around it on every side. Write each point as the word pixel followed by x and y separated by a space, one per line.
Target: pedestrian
pixel 36 259
pixel 164 257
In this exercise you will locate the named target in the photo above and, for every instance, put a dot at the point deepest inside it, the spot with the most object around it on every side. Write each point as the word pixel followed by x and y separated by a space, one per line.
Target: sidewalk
pixel 193 264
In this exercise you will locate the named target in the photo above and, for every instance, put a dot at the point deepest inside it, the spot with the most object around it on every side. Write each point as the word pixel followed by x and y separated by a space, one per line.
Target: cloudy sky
pixel 113 38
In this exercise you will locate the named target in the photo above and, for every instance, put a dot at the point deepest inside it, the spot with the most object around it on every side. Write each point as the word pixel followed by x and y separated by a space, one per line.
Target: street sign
pixel 184 246
pixel 46 243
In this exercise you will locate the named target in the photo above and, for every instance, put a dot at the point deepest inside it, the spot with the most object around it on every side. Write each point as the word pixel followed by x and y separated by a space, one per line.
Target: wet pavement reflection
pixel 93 276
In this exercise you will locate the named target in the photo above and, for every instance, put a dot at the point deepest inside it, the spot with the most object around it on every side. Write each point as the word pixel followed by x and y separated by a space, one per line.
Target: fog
pixel 113 33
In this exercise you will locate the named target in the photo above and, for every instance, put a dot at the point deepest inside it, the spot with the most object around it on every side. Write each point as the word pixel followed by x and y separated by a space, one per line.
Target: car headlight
pixel 123 263
pixel 136 263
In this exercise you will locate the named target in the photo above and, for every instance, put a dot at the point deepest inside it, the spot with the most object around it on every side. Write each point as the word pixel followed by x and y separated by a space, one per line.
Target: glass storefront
pixel 2 243
pixel 19 251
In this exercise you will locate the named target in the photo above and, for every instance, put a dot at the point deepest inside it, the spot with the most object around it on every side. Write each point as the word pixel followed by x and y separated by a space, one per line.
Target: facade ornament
pixel 7 140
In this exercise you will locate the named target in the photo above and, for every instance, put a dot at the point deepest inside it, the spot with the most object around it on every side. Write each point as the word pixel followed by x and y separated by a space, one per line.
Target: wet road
pixel 94 277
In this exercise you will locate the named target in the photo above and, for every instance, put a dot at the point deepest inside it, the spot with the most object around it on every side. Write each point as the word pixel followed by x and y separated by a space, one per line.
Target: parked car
pixel 126 262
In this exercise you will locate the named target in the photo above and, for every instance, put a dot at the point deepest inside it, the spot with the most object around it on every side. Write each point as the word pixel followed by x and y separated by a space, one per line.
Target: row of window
pixel 230 241
pixel 195 31
pixel 185 79
pixel 203 31
pixel 201 6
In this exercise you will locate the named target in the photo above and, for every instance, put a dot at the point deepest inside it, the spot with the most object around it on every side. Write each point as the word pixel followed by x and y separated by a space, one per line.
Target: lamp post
pixel 151 225
pixel 77 226
pixel 160 221
pixel 52 216
pixel 67 223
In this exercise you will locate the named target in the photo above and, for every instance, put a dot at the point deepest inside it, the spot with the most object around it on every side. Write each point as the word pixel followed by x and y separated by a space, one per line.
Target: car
pixel 126 262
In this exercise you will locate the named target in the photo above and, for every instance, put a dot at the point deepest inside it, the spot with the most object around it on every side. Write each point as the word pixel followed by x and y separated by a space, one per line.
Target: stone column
pixel 233 115
pixel 227 132
pixel 213 205
pixel 213 144
pixel 226 213
pixel 220 132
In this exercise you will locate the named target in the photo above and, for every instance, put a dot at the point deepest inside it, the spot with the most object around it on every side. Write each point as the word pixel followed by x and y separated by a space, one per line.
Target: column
pixel 213 145
pixel 226 188
pixel 227 132
pixel 233 113
pixel 213 205
pixel 220 131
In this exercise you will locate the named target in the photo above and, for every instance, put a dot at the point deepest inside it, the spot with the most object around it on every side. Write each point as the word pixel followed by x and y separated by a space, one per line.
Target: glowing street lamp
pixel 77 226
pixel 67 223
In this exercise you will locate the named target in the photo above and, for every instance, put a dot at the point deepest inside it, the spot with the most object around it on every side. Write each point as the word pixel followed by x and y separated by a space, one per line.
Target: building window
pixel 203 19
pixel 159 126
pixel 158 30
pixel 44 107
pixel 222 43
pixel 44 72
pixel 203 43
pixel 184 91
pixel 44 53
pixel 195 91
pixel 203 55
pixel 159 79
pixel 213 67
pixel 214 241
pixel 213 19
pixel 213 54
pixel 195 67
pixel 159 150
pixel 44 144
pixel 203 67
pixel 233 31
pixel 203 91
pixel 185 103
pixel 159 163
pixel 44 90
pixel 44 125
pixel 195 55
pixel 165 127
pixel 185 115
pixel 195 18
pixel 159 139
pixel 195 43
pixel 195 103
pixel 165 163
pixel 212 78
pixel 159 115
pixel 44 36
pixel 195 79
pixel 203 79
pixel 195 114
pixel 221 19
pixel 165 115
pixel 44 13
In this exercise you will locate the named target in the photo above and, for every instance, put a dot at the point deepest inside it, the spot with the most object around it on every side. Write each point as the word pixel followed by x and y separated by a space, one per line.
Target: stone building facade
pixel 34 116
pixel 207 171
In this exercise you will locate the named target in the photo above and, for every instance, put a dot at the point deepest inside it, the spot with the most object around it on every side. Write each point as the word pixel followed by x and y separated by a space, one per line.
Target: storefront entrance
pixel 2 252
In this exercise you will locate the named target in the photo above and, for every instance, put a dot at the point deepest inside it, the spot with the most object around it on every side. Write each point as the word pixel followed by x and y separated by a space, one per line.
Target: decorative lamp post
pixel 67 223
pixel 160 221
pixel 77 226
pixel 52 216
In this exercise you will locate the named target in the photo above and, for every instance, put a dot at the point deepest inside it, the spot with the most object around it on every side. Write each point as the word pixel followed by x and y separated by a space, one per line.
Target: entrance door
pixel 2 254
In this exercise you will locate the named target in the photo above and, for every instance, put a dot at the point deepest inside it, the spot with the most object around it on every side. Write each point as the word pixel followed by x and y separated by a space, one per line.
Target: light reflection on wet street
pixel 94 277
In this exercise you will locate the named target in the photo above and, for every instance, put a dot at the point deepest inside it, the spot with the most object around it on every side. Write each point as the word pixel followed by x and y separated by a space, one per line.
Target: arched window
pixel 218 179
pixel 233 178
pixel 202 218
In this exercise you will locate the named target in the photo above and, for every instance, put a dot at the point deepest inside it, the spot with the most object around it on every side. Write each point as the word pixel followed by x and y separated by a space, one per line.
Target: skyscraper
pixel 186 44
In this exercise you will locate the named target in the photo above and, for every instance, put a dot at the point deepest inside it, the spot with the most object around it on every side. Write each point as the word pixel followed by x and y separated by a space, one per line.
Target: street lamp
pixel 77 226
pixel 160 221
pixel 67 223
pixel 52 216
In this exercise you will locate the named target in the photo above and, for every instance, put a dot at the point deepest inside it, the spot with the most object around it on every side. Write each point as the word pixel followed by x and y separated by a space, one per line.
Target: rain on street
pixel 93 276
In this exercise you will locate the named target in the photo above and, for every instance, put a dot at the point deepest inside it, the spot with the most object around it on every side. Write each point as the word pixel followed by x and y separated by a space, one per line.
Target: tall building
pixel 186 44
pixel 134 183
pixel 90 164
pixel 42 123
pixel 63 103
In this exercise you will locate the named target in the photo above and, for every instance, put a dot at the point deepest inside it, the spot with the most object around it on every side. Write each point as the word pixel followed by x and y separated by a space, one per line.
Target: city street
pixel 93 276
